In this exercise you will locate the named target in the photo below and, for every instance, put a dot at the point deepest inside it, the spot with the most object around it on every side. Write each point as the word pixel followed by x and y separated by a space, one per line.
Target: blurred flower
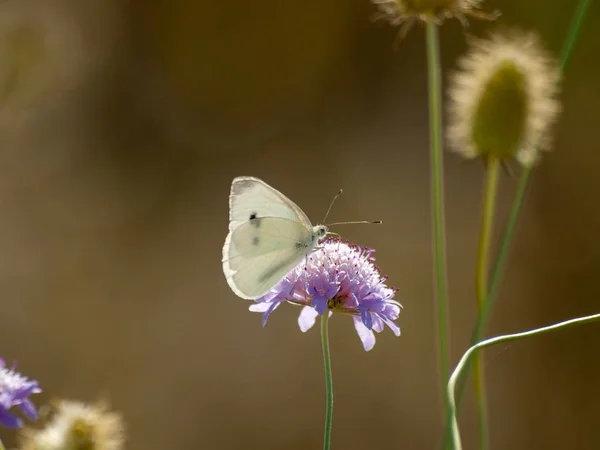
pixel 15 390
pixel 339 278
pixel 407 12
pixel 503 100
pixel 78 426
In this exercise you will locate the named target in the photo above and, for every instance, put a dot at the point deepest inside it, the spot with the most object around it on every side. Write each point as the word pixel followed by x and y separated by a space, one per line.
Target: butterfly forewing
pixel 253 198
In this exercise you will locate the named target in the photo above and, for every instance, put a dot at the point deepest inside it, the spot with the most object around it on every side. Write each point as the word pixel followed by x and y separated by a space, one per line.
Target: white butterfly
pixel 268 236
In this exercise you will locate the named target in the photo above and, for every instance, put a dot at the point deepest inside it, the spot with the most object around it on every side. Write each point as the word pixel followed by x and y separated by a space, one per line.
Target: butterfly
pixel 268 236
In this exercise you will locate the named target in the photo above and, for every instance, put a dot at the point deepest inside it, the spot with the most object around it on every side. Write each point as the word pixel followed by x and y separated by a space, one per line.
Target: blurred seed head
pixel 406 12
pixel 78 426
pixel 503 99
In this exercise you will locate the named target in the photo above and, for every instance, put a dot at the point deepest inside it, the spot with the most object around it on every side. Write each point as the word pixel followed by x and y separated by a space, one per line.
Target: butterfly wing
pixel 257 255
pixel 268 236
pixel 251 199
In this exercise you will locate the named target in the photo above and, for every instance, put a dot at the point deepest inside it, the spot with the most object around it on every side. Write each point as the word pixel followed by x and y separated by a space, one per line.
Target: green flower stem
pixel 490 191
pixel 574 32
pixel 437 199
pixel 565 55
pixel 328 380
pixel 463 363
pixel 1 445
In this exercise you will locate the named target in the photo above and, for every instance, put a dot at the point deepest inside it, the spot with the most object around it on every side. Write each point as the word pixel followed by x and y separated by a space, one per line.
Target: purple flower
pixel 339 277
pixel 14 391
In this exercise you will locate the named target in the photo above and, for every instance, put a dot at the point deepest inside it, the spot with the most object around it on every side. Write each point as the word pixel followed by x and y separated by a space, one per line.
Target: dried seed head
pixel 406 12
pixel 503 99
pixel 78 426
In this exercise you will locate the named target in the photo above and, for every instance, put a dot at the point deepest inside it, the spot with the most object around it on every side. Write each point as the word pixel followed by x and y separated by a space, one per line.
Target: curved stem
pixel 437 201
pixel 565 55
pixel 490 191
pixel 467 357
pixel 328 380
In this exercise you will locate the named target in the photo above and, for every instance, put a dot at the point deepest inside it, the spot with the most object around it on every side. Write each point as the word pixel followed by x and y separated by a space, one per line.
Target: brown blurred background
pixel 122 125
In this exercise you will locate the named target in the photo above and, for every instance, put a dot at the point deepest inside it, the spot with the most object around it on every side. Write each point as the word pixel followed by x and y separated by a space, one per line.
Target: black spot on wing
pixel 255 220
pixel 255 240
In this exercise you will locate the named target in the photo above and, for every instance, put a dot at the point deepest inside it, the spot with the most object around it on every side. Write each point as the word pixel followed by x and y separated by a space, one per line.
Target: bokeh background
pixel 122 125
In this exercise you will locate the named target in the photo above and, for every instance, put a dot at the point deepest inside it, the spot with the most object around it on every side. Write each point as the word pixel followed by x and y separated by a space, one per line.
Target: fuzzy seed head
pixel 398 12
pixel 78 426
pixel 503 99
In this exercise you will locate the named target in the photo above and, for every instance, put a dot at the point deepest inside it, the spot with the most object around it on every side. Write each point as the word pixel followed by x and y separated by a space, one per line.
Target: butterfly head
pixel 319 232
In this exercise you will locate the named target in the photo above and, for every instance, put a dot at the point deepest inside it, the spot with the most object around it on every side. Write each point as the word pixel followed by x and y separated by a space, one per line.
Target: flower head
pixel 503 99
pixel 78 426
pixel 407 12
pixel 15 390
pixel 337 278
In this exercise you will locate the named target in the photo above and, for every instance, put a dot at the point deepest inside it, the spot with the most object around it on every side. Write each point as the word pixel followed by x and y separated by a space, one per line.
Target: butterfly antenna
pixel 331 204
pixel 356 221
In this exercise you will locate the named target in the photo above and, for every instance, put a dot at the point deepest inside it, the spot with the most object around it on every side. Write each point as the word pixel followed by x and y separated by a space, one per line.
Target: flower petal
pixel 10 421
pixel 28 409
pixel 320 304
pixel 377 323
pixel 366 336
pixel 27 389
pixel 259 307
pixel 307 318
pixel 366 317
pixel 332 290
pixel 268 312
pixel 392 325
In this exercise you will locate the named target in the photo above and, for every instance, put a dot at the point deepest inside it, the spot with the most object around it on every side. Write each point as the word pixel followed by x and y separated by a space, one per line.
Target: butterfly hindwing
pixel 257 255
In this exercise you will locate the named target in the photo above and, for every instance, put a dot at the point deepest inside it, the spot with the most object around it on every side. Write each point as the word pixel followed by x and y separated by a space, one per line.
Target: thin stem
pixel 466 358
pixel 490 191
pixel 437 200
pixel 565 55
pixel 1 445
pixel 573 35
pixel 328 380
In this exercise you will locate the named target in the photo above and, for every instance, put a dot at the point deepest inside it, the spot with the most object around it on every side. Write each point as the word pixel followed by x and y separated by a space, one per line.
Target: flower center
pixel 82 433
pixel 335 303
